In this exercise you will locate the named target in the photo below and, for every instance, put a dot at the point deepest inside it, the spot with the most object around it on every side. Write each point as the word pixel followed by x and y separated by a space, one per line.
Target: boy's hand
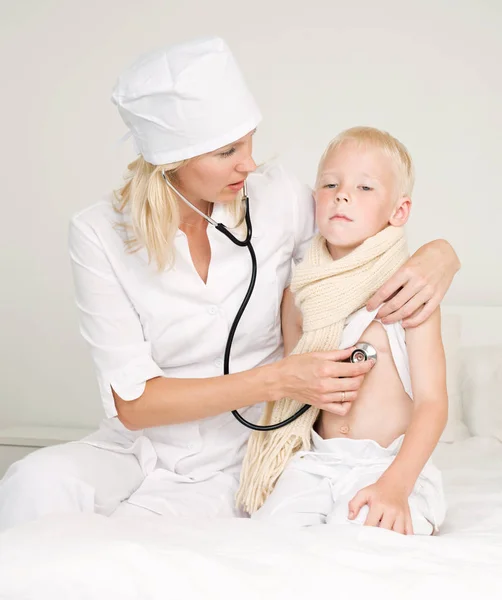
pixel 388 507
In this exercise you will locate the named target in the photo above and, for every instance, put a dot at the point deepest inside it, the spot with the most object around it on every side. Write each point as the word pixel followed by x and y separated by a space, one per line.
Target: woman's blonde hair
pixel 153 210
pixel 384 141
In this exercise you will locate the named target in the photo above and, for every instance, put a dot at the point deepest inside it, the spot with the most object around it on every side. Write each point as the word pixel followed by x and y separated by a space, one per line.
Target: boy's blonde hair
pixel 393 148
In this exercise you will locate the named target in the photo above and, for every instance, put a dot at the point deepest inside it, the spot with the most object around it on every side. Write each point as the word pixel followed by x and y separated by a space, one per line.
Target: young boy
pixel 370 465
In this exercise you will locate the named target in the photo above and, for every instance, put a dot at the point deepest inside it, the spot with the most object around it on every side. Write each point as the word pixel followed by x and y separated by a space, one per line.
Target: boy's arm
pixel 428 380
pixel 291 321
pixel 388 497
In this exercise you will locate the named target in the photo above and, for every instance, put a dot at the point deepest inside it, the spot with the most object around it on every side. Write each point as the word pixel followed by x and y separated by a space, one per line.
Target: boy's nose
pixel 342 196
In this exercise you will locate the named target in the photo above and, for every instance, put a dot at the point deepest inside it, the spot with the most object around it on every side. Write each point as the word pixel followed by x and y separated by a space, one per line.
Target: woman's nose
pixel 247 166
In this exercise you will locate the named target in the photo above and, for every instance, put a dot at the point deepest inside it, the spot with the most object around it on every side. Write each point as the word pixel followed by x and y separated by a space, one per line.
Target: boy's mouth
pixel 340 217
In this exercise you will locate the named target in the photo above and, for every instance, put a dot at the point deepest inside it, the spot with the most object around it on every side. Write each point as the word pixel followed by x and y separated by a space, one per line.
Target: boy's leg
pixel 74 477
pixel 426 502
pixel 299 498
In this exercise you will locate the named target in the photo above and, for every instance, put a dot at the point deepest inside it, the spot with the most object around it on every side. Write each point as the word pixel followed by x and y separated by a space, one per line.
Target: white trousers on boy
pixel 317 486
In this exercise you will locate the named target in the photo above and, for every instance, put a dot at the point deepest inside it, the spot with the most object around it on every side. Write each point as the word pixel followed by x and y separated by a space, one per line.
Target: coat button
pixel 218 363
pixel 212 310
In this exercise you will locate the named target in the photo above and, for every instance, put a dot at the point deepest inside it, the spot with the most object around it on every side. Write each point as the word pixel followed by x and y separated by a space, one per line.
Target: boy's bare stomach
pixel 382 410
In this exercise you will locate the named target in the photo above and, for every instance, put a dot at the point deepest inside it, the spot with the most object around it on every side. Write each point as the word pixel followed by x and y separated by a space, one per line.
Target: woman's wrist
pixel 272 381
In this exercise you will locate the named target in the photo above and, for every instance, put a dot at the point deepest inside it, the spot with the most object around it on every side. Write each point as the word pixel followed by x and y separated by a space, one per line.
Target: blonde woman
pixel 157 291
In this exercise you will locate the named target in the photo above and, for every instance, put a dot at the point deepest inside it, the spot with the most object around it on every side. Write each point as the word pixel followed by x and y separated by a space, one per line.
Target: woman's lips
pixel 237 186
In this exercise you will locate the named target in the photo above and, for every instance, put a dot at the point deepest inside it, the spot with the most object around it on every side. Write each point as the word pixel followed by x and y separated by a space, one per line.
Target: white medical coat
pixel 141 324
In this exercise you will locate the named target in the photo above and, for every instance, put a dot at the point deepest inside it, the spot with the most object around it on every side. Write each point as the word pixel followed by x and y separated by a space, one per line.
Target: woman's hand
pixel 417 289
pixel 388 507
pixel 319 379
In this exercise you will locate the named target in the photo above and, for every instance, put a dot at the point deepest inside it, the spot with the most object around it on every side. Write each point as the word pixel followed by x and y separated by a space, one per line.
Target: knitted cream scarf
pixel 327 292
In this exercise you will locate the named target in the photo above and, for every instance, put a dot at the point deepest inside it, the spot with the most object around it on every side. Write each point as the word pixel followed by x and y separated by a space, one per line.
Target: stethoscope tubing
pixel 246 242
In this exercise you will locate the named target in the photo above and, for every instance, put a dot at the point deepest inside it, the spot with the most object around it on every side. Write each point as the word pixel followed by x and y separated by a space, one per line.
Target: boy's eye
pixel 227 153
pixel 365 188
pixel 330 186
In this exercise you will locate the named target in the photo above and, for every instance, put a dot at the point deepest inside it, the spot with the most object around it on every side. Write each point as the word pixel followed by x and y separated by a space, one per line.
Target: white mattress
pixel 91 557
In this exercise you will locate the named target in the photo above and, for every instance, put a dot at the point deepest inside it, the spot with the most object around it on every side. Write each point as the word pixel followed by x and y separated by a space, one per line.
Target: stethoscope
pixel 363 351
pixel 228 346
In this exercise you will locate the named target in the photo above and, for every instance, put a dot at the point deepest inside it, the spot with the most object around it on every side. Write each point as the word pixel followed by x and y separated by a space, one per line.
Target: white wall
pixel 429 71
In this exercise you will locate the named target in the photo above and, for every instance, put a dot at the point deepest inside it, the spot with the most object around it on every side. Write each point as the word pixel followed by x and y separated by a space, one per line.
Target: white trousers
pixel 69 478
pixel 80 477
pixel 316 487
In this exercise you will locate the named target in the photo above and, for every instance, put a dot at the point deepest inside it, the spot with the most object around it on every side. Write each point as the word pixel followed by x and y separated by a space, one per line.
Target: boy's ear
pixel 401 212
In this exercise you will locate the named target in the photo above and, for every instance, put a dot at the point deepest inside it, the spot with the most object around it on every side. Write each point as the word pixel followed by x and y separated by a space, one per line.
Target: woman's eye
pixel 227 153
pixel 365 188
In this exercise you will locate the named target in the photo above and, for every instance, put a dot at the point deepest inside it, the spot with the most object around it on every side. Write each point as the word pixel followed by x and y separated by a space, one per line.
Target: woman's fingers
pixel 416 302
pixel 422 314
pixel 407 293
pixel 339 397
pixel 337 408
pixel 410 289
pixel 338 369
pixel 339 403
pixel 340 390
pixel 336 355
pixel 397 281
pixel 345 384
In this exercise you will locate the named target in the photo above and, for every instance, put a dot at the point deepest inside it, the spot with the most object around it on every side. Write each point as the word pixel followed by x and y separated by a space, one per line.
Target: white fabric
pixel 185 100
pixel 475 369
pixel 317 486
pixel 451 333
pixel 140 323
pixel 356 324
pixel 482 390
pixel 89 557
pixel 68 478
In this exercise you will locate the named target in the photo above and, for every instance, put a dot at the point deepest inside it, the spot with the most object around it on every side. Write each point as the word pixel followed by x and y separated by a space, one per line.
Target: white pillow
pixel 451 329
pixel 481 384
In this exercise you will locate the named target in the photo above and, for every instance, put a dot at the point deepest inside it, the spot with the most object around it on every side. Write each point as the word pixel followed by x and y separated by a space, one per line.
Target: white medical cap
pixel 185 100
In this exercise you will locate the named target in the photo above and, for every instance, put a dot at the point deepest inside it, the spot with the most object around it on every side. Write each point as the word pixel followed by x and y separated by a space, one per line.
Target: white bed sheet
pixel 91 557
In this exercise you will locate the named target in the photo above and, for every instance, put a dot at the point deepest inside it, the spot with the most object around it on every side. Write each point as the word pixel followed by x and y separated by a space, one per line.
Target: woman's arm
pixel 133 386
pixel 314 378
pixel 419 286
pixel 168 400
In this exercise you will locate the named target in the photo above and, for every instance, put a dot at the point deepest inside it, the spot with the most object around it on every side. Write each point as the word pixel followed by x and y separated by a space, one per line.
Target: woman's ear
pixel 401 212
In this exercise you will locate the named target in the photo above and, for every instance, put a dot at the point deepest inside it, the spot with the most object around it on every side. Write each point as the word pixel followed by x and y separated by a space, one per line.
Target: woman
pixel 158 290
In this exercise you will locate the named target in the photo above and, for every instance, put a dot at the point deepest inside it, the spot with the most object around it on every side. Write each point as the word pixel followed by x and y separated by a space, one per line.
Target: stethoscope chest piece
pixel 362 352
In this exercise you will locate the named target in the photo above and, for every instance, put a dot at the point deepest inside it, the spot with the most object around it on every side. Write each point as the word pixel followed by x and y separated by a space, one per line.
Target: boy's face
pixel 357 196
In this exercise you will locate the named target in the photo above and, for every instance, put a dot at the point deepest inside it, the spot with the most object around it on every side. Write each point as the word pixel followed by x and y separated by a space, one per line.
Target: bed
pixel 90 557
